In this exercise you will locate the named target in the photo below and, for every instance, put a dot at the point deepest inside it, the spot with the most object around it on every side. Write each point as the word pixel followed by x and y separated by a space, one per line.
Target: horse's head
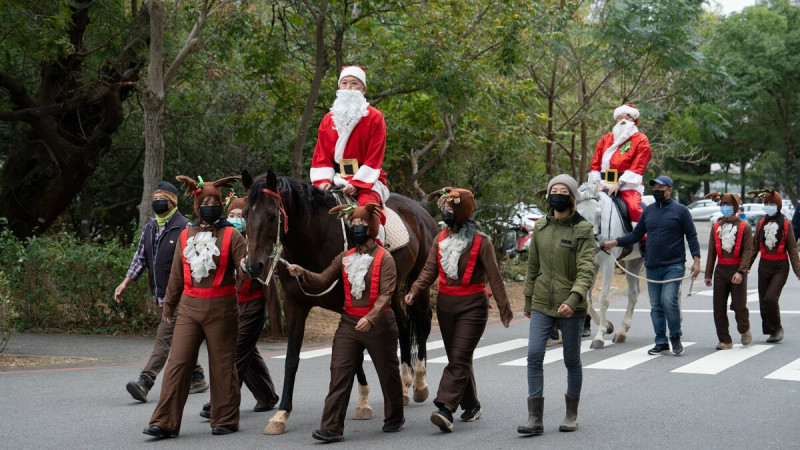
pixel 265 218
pixel 588 205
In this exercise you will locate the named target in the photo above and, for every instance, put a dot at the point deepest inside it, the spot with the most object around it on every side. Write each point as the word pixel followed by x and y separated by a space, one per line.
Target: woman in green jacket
pixel 560 271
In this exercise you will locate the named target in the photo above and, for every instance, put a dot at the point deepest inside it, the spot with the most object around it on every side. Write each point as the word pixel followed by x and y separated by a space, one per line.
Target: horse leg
pixel 363 410
pixel 634 266
pixel 422 326
pixel 296 324
pixel 604 326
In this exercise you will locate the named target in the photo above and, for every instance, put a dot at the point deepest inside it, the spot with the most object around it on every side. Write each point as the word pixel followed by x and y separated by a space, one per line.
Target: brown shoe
pixel 747 337
pixel 724 346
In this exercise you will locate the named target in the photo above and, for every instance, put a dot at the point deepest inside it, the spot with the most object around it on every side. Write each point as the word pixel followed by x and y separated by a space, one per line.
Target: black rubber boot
pixel 534 426
pixel 570 422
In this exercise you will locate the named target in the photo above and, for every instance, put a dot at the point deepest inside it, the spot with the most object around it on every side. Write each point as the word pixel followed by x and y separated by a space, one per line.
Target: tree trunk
pixel 320 69
pixel 65 127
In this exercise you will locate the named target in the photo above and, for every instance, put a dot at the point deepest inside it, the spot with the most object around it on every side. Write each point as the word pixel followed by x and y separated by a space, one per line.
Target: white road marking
pixel 489 350
pixel 722 359
pixel 433 345
pixel 553 355
pixel 629 359
pixel 310 353
pixel 790 372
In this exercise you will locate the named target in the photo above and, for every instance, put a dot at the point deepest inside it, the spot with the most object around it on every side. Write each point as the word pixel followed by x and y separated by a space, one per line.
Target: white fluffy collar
pixel 771 235
pixel 727 236
pixel 356 266
pixel 200 252
pixel 450 249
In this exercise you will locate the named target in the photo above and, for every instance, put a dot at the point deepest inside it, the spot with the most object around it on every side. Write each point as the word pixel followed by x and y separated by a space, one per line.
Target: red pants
pixel 633 199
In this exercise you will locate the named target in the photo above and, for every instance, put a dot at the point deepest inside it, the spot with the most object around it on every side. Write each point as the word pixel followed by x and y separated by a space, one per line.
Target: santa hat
pixel 233 202
pixel 353 71
pixel 200 189
pixel 629 110
pixel 462 201
pixel 727 197
pixel 370 213
pixel 768 196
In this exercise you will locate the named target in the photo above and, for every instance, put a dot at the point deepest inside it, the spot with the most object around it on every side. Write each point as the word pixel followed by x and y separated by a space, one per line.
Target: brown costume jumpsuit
pixel 463 309
pixel 773 270
pixel 727 264
pixel 208 310
pixel 349 344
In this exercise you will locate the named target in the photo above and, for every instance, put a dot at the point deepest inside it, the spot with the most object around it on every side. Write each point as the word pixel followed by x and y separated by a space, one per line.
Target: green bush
pixel 58 282
pixel 8 314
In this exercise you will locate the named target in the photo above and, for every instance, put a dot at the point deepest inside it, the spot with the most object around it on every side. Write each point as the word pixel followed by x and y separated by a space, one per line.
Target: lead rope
pixel 691 285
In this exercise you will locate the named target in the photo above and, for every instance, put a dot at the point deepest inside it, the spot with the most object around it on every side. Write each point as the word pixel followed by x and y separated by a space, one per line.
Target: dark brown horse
pixel 296 213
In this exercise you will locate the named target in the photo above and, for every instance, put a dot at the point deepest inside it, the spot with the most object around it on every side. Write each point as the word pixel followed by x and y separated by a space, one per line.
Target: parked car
pixel 703 209
pixel 753 211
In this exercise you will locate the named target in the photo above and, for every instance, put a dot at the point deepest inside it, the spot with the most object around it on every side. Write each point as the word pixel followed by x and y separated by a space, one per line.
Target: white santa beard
pixel 356 267
pixel 347 110
pixel 622 131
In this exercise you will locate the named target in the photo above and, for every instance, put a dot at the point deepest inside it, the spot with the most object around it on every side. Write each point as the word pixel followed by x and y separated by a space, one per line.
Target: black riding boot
pixel 534 425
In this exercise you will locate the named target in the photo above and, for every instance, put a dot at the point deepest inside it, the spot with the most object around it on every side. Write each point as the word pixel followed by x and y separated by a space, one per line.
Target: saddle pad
pixel 396 231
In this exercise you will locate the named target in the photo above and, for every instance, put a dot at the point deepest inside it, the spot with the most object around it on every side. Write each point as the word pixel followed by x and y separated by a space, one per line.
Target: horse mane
pixel 587 190
pixel 304 197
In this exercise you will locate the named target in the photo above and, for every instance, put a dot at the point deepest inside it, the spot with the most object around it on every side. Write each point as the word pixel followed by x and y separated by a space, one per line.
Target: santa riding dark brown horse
pixel 291 214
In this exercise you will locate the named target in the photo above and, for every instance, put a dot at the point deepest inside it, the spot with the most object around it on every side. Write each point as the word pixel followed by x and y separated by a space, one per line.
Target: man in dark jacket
pixel 155 253
pixel 666 223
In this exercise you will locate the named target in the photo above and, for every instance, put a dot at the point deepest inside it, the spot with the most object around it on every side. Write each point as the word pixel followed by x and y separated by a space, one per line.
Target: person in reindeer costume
pixel 351 144
pixel 730 249
pixel 202 281
pixel 367 322
pixel 620 160
pixel 252 296
pixel 776 242
pixel 463 260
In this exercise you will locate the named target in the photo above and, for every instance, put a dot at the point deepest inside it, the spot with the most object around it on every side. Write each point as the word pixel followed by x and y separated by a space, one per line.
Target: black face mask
pixel 160 206
pixel 360 233
pixel 210 214
pixel 448 218
pixel 559 202
pixel 659 195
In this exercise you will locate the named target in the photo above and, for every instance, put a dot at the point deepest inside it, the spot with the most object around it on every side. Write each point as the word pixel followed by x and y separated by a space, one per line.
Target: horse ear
pixel 247 179
pixel 189 185
pixel 272 180
pixel 227 181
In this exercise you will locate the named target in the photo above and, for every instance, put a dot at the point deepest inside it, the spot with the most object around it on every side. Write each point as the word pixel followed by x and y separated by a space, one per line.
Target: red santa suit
pixel 630 159
pixel 366 145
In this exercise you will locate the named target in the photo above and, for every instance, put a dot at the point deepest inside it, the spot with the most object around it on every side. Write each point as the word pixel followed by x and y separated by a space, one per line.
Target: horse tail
pixel 413 317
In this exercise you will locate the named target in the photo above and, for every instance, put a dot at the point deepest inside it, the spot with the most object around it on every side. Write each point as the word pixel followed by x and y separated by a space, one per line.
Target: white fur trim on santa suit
pixel 378 187
pixel 353 71
pixel 630 178
pixel 626 109
pixel 367 174
pixel 321 173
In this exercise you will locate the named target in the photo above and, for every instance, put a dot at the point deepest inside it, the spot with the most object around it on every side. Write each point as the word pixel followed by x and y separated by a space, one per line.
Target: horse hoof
pixel 363 413
pixel 597 344
pixel 406 399
pixel 277 424
pixel 609 327
pixel 420 395
pixel 620 338
pixel 549 343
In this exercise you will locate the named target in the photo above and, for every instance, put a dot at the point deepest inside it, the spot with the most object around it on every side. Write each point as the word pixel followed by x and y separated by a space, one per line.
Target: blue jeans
pixel 664 308
pixel 539 331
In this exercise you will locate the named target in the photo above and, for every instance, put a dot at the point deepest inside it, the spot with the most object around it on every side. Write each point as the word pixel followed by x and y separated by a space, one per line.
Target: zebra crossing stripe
pixel 482 352
pixel 722 359
pixel 429 346
pixel 555 354
pixel 627 360
pixel 310 353
pixel 789 372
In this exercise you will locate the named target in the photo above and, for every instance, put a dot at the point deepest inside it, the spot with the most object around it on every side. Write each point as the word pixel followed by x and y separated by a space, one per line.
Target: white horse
pixel 597 208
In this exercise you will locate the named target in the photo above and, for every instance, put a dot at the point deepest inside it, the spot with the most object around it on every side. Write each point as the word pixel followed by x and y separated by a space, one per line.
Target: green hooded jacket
pixel 560 265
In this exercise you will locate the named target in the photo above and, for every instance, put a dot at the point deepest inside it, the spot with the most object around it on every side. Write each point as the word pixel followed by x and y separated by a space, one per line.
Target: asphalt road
pixel 742 398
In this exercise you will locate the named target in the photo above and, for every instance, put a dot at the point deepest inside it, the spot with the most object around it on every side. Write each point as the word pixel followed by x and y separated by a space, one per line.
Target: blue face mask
pixel 239 223
pixel 726 210
pixel 771 210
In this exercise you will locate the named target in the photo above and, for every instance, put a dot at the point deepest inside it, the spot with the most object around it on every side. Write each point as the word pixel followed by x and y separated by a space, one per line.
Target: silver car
pixel 703 209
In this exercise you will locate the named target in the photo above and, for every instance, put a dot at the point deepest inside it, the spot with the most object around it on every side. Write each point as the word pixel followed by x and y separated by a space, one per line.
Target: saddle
pixel 397 235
